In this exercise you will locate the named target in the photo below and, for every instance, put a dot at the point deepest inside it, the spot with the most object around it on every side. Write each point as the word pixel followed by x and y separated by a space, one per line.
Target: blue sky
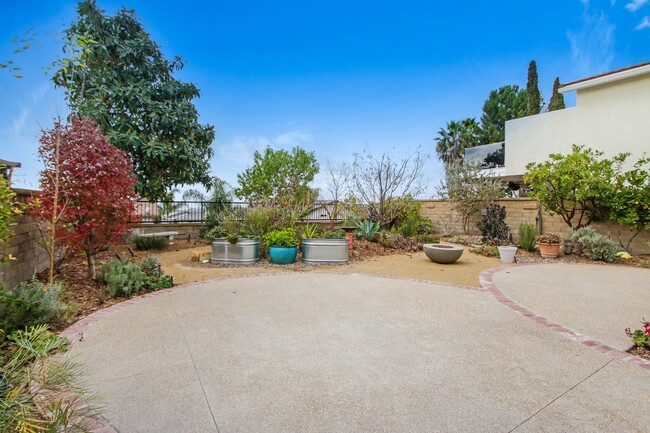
pixel 332 76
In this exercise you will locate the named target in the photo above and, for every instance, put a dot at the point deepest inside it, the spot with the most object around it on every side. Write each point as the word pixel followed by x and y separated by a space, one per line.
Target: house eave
pixel 605 79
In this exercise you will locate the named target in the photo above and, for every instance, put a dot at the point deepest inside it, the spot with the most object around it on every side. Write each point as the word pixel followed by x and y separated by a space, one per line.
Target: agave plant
pixel 310 231
pixel 368 229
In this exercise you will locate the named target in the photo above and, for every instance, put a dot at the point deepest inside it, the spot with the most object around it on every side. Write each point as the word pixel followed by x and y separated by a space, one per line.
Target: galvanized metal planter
pixel 245 251
pixel 325 251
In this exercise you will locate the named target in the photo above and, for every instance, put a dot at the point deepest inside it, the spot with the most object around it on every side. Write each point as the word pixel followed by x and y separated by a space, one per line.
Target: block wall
pixel 519 211
pixel 24 245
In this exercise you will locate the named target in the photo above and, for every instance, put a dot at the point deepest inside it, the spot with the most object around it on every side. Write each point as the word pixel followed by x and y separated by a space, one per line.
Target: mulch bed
pixel 85 293
pixel 641 352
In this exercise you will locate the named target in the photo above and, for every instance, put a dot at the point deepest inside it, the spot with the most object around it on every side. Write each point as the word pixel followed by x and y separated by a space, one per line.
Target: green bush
pixel 527 235
pixel 122 277
pixel 282 238
pixel 29 304
pixel 427 239
pixel 150 266
pixel 144 243
pixel 589 243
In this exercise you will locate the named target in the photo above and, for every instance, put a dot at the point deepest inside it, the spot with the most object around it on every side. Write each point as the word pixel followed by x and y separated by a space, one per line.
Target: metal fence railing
pixel 196 211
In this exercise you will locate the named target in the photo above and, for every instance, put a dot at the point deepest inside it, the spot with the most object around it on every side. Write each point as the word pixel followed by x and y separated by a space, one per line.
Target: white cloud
pixel 18 123
pixel 40 91
pixel 241 148
pixel 644 24
pixel 293 138
pixel 592 47
pixel 635 5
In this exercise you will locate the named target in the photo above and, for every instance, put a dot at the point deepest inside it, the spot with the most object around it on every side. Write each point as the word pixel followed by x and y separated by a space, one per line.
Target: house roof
pixel 607 77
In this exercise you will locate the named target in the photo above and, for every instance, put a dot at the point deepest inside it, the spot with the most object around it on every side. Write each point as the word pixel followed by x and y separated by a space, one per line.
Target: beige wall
pixel 612 118
pixel 31 257
pixel 519 211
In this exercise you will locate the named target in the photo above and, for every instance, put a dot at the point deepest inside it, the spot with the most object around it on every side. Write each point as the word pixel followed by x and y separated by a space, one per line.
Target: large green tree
pixel 279 176
pixel 630 201
pixel 577 186
pixel 452 140
pixel 121 79
pixel 535 102
pixel 503 104
pixel 557 99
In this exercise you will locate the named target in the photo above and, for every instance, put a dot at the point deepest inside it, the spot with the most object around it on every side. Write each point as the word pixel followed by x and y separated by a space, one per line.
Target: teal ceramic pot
pixel 283 255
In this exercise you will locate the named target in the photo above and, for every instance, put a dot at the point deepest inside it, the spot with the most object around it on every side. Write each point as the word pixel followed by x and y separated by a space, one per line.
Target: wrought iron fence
pixel 197 211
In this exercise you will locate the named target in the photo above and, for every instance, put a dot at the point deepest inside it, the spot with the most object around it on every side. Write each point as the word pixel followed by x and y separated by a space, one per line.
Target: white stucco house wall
pixel 612 115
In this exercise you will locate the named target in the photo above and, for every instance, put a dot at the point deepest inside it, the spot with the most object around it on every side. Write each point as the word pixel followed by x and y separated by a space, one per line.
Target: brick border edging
pixel 77 329
pixel 486 281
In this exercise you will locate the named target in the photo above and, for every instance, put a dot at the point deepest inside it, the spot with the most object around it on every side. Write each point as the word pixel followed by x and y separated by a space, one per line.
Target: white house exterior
pixel 612 115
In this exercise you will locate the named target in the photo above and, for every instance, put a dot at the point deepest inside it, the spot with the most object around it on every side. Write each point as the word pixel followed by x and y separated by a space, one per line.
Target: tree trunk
pixel 91 264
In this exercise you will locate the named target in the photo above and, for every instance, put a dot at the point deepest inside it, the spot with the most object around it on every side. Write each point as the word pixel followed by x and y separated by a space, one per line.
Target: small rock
pixel 205 261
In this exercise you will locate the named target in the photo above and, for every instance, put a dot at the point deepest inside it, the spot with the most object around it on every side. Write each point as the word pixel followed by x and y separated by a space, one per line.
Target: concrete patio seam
pixel 196 371
pixel 488 285
pixel 561 395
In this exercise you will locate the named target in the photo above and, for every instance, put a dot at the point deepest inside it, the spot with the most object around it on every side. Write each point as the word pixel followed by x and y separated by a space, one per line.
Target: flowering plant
pixel 486 250
pixel 641 337
pixel 548 238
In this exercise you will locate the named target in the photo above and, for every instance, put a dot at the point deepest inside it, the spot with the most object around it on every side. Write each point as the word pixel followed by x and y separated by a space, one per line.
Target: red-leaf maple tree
pixel 87 188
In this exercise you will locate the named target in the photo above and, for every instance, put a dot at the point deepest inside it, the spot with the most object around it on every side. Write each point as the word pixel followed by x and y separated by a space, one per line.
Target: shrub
pixel 485 250
pixel 427 239
pixel 29 304
pixel 122 277
pixel 641 337
pixel 493 226
pixel 408 228
pixel 333 234
pixel 150 266
pixel 261 220
pixel 368 230
pixel 589 243
pixel 45 391
pixel 527 235
pixel 282 238
pixel 144 243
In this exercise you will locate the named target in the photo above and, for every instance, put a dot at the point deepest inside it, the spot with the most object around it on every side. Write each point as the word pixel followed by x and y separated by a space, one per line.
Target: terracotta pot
pixel 549 251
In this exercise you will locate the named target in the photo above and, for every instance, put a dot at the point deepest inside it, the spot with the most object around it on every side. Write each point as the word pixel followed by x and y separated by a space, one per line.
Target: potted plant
pixel 282 246
pixel 507 253
pixel 235 249
pixel 549 245
pixel 319 247
pixel 231 245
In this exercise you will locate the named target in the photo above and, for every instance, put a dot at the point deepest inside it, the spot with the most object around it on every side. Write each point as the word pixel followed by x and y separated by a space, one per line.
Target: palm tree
pixel 455 138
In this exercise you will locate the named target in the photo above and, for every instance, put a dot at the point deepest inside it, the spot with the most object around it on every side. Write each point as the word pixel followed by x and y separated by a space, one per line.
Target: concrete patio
pixel 319 352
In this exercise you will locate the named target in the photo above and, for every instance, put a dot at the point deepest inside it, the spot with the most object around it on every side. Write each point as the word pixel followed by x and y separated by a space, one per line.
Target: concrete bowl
pixel 443 253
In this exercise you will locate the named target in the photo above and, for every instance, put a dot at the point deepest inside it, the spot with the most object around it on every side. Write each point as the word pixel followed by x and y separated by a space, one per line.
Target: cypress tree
pixel 535 101
pixel 557 99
